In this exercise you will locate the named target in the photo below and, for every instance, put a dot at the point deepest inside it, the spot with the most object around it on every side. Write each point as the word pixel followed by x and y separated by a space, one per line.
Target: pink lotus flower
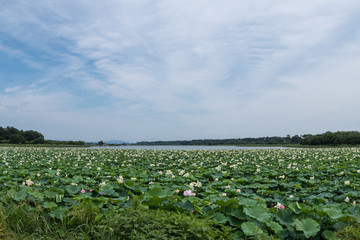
pixel 280 206
pixel 91 190
pixel 189 193
pixel 83 191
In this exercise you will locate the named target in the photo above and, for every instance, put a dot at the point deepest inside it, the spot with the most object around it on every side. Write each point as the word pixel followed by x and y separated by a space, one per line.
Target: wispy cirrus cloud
pixel 208 68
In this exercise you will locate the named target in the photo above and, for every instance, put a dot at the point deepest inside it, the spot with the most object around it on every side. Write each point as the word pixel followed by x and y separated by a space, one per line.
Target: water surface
pixel 168 147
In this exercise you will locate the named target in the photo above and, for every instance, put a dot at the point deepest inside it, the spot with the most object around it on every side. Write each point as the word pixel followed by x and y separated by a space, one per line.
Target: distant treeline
pixel 328 138
pixel 55 142
pixel 233 141
pixel 13 135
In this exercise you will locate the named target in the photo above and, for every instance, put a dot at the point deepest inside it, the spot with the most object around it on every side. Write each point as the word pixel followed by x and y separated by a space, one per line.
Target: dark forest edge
pixel 326 139
pixel 11 135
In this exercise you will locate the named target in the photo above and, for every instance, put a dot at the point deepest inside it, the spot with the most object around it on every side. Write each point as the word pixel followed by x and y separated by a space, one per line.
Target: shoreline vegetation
pixel 11 136
pixel 64 144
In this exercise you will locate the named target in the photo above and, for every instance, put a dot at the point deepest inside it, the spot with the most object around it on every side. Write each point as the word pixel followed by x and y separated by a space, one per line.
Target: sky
pixel 141 70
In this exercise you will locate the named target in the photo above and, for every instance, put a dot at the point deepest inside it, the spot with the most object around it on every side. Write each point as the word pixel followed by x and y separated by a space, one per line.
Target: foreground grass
pixel 88 222
pixel 23 222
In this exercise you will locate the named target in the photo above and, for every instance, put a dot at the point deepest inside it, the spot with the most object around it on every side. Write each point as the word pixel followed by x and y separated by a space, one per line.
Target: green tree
pixel 33 136
pixel 296 139
pixel 16 138
pixel 2 133
pixel 10 131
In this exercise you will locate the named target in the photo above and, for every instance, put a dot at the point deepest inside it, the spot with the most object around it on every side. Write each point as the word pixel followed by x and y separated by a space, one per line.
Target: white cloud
pixel 207 67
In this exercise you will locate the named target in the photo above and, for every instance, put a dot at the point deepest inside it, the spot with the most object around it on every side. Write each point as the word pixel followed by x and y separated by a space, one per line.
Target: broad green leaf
pixel 295 207
pixel 50 205
pixel 308 226
pixel 250 228
pixel 247 202
pixel 77 179
pixel 37 195
pixel 49 194
pixel 81 197
pixel 306 208
pixel 220 218
pixel 134 186
pixel 238 213
pixel 274 226
pixel 285 217
pixel 158 192
pixel 106 187
pixel 155 196
pixel 59 213
pixel 72 189
pixel 21 194
pixel 340 225
pixel 259 213
pixel 235 221
pixel 329 235
pixel 11 193
pixel 119 200
pixel 333 213
pixel 110 192
pixel 226 202
pixel 186 206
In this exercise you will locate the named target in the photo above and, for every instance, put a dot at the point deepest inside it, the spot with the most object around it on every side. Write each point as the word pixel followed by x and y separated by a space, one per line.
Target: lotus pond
pixel 286 193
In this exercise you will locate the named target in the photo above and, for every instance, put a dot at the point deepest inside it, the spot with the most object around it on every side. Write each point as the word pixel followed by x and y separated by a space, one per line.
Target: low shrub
pixel 349 233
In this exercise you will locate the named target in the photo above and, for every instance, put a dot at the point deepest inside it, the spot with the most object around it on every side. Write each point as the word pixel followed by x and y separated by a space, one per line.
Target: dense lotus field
pixel 287 193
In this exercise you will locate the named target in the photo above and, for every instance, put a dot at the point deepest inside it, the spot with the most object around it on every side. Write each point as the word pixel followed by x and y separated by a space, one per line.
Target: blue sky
pixel 176 70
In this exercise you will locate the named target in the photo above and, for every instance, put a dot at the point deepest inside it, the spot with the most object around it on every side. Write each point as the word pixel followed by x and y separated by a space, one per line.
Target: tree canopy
pixel 328 138
pixel 14 136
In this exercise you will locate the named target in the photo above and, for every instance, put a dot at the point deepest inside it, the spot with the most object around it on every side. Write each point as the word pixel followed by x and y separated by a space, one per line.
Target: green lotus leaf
pixel 285 217
pixel 235 221
pixel 50 205
pixel 158 192
pixel 21 194
pixel 238 213
pixel 59 213
pixel 72 189
pixel 247 202
pixel 295 207
pixel 308 226
pixel 37 195
pixel 333 213
pixel 251 229
pixel 259 213
pixel 329 235
pixel 220 217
